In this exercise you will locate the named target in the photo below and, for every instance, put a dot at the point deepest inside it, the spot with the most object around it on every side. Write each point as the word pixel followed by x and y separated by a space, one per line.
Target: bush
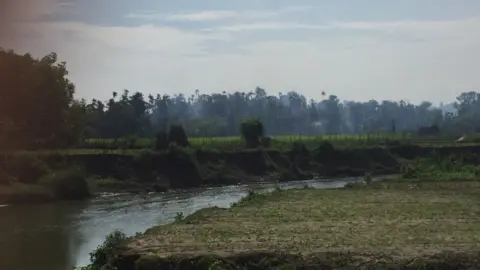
pixel 177 135
pixel 326 147
pixel 161 141
pixel 67 184
pixel 104 253
pixel 27 168
pixel 179 217
pixel 299 149
pixel 252 132
pixel 325 152
pixel 266 142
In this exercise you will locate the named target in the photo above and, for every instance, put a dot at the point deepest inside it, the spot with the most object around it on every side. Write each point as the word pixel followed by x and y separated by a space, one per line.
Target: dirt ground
pixel 396 219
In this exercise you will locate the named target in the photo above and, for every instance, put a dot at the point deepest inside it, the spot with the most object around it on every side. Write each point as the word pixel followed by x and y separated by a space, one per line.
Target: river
pixel 60 236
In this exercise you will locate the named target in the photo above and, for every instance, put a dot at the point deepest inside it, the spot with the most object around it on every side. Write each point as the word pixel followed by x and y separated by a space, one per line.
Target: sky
pixel 413 50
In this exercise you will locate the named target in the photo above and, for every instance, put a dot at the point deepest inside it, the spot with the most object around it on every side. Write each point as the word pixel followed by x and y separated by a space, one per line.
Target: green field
pixel 279 141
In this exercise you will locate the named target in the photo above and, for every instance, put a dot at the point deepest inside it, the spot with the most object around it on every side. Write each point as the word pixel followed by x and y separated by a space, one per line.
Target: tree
pixel 35 100
pixel 177 135
pixel 252 132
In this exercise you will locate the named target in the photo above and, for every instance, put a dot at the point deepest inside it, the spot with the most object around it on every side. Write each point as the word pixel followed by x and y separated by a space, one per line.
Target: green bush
pixel 179 217
pixel 67 184
pixel 177 135
pixel 252 132
pixel 438 167
pixel 104 253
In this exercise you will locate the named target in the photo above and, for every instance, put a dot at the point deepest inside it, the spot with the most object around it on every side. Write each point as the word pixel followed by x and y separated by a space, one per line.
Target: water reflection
pixel 59 236
pixel 35 236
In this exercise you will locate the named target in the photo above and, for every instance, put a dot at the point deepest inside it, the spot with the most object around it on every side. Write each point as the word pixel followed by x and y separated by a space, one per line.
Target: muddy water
pixel 60 236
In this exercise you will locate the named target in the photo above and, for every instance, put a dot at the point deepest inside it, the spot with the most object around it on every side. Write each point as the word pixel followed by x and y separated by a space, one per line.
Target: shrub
pixel 161 141
pixel 104 253
pixel 177 135
pixel 299 149
pixel 326 147
pixel 266 142
pixel 179 217
pixel 325 152
pixel 252 132
pixel 67 184
pixel 27 168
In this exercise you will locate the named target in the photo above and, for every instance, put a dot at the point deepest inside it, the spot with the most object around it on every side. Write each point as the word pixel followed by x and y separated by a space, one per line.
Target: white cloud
pixel 421 29
pixel 267 26
pixel 208 15
pixel 413 29
pixel 202 16
pixel 215 15
pixel 353 65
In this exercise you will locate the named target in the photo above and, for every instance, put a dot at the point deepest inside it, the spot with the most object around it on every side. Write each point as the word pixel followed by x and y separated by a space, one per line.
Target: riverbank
pixel 183 168
pixel 397 223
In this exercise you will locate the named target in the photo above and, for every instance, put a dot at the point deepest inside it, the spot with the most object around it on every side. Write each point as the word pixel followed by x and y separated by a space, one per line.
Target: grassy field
pixel 233 142
pixel 396 219
pixel 280 141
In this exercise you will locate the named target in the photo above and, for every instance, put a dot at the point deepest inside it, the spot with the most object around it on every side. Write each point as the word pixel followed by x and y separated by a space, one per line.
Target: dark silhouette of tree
pixel 252 132
pixel 38 110
pixel 177 135
pixel 35 98
pixel 220 114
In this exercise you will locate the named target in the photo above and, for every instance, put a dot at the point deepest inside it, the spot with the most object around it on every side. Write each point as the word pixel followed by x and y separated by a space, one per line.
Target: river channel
pixel 60 236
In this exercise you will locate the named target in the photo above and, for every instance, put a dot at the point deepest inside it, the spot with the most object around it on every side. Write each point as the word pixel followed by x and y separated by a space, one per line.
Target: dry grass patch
pixel 389 218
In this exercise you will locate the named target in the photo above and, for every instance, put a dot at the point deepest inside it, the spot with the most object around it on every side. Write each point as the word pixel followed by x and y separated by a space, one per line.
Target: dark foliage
pixel 177 135
pixel 326 260
pixel 252 132
pixel 67 184
pixel 50 117
pixel 161 141
pixel 36 103
pixel 104 254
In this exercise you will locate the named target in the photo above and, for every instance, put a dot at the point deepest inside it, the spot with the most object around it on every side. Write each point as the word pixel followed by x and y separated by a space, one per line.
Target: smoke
pixel 346 116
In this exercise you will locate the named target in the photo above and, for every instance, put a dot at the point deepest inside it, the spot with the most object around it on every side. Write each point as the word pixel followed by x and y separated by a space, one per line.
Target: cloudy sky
pixel 357 49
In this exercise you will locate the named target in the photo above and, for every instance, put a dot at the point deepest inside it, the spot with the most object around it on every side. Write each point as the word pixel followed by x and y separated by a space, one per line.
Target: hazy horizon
pixel 357 50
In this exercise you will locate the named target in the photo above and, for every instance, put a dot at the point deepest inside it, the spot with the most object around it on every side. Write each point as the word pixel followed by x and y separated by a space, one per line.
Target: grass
pixel 440 169
pixel 278 141
pixel 393 218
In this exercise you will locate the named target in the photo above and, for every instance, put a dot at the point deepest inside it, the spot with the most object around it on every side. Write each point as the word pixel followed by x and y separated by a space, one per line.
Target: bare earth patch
pixel 395 219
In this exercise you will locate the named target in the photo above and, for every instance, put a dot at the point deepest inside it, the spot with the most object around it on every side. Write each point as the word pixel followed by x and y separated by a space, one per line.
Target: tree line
pixel 38 109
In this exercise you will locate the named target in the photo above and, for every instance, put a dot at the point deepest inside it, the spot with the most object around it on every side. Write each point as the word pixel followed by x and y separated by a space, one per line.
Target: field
pixel 396 219
pixel 279 141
